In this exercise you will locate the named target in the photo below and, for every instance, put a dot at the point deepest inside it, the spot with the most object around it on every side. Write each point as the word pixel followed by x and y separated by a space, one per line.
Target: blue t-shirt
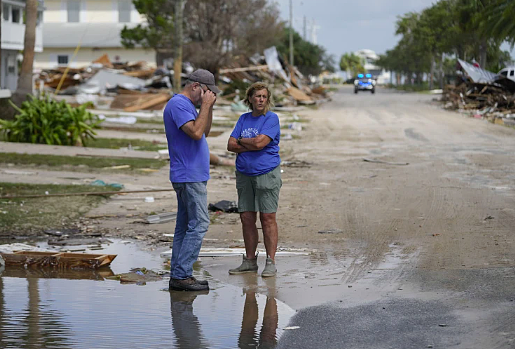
pixel 189 159
pixel 255 163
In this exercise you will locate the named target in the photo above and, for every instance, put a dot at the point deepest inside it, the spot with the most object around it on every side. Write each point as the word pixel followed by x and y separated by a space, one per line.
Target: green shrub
pixel 47 121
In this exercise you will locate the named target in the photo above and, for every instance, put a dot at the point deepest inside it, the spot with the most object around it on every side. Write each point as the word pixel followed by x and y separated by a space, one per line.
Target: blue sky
pixel 351 25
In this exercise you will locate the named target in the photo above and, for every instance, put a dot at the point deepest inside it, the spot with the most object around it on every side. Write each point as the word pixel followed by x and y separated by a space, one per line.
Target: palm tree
pixel 498 20
pixel 352 64
pixel 25 79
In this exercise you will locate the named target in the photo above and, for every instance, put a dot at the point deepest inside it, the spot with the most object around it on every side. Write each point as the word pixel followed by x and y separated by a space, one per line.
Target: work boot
pixel 201 282
pixel 189 284
pixel 247 266
pixel 270 269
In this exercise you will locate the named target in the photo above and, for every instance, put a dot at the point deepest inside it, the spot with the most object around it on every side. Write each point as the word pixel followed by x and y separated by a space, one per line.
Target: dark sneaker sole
pixel 190 289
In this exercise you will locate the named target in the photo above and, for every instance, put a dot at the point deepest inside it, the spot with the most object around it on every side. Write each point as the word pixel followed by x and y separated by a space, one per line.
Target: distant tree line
pixel 431 40
pixel 217 32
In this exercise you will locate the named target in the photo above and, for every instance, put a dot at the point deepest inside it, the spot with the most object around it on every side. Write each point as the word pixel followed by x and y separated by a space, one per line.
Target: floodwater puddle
pixel 50 309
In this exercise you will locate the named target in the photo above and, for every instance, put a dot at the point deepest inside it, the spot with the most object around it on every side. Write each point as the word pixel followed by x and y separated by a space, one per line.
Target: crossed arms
pixel 248 144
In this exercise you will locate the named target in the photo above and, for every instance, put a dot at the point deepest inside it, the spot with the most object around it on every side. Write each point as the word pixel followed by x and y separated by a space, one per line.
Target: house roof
pixel 88 34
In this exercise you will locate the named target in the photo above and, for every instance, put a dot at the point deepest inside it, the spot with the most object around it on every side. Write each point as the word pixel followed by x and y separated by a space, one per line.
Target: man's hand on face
pixel 208 98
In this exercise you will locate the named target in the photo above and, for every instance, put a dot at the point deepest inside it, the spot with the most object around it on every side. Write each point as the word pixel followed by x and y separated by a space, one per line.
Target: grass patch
pixel 159 130
pixel 79 163
pixel 31 215
pixel 156 121
pixel 117 143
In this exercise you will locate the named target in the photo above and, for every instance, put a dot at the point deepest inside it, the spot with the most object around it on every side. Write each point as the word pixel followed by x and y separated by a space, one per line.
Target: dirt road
pixel 414 244
pixel 426 235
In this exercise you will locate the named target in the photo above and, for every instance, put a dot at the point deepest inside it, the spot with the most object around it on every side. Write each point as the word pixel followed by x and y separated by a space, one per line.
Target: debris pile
pixel 482 94
pixel 138 86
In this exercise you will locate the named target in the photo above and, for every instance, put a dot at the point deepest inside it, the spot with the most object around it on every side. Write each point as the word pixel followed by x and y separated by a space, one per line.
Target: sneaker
pixel 270 269
pixel 247 266
pixel 189 284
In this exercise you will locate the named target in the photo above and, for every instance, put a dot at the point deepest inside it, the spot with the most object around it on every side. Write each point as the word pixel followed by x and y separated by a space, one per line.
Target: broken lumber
pixel 160 98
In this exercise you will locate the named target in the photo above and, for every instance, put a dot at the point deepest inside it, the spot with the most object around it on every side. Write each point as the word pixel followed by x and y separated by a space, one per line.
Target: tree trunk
pixel 441 72
pixel 25 79
pixel 431 73
pixel 483 47
pixel 177 59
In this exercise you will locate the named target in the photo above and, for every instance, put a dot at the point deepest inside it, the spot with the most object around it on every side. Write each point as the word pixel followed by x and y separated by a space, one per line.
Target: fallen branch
pixel 84 194
pixel 386 162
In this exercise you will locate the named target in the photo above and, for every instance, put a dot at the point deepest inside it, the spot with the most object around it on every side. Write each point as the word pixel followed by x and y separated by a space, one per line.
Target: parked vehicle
pixel 508 72
pixel 365 82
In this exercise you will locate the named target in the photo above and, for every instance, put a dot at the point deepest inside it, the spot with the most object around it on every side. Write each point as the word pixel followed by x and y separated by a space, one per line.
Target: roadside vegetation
pixel 46 121
pixel 79 163
pixel 117 143
pixel 32 215
pixel 432 40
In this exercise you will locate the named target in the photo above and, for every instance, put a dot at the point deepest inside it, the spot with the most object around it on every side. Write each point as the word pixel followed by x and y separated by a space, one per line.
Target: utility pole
pixel 305 35
pixel 291 32
pixel 177 59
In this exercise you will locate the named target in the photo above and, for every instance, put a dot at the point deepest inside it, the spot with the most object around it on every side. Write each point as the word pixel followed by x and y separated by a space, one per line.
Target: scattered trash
pixel 138 276
pixel 292 328
pixel 101 183
pixel 149 199
pixel 120 167
pixel 442 325
pixel 127 120
pixel 296 163
pixel 162 218
pixel 224 206
pixel 489 217
pixel 331 231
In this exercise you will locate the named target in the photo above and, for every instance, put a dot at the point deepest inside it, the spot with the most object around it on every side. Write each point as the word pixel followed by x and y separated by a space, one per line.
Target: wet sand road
pixel 425 255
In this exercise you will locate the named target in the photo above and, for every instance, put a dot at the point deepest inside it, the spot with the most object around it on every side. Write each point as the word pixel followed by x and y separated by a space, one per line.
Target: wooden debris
pixel 157 99
pixel 57 260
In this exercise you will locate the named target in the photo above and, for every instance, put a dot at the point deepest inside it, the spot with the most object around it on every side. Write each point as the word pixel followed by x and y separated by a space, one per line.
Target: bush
pixel 47 121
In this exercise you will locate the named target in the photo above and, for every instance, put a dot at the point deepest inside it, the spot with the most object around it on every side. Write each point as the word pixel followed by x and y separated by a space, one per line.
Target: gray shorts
pixel 259 193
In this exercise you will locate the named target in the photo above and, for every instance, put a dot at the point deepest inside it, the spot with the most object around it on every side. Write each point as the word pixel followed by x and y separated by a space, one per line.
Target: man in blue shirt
pixel 186 132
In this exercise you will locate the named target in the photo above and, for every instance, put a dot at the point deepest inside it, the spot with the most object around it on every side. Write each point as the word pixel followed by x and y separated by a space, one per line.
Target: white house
pixel 13 34
pixel 95 25
pixel 369 57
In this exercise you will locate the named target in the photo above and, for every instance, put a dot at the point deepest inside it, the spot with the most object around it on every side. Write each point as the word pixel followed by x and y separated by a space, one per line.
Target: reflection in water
pixel 39 309
pixel 42 273
pixel 32 326
pixel 186 326
pixel 267 337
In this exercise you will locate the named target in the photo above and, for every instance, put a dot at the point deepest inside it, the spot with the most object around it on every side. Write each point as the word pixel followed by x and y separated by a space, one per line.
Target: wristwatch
pixel 239 140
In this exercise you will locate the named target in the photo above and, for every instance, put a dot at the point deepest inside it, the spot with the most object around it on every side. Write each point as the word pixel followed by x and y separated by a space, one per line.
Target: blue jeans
pixel 190 227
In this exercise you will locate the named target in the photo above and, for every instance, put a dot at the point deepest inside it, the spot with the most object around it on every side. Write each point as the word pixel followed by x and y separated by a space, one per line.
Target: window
pixel 74 11
pixel 16 15
pixel 512 73
pixel 504 73
pixel 6 9
pixel 124 11
pixel 11 64
pixel 62 59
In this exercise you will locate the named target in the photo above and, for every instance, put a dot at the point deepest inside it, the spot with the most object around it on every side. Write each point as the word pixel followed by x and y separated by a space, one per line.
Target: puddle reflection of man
pixel 185 324
pixel 267 336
